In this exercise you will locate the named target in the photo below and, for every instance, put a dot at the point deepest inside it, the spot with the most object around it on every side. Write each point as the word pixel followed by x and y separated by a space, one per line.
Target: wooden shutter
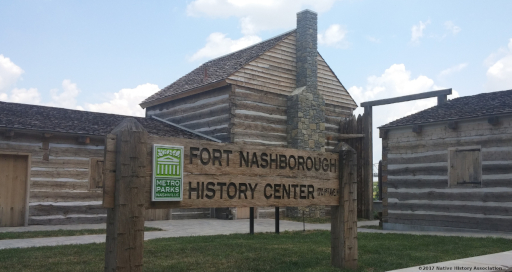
pixel 465 166
pixel 96 173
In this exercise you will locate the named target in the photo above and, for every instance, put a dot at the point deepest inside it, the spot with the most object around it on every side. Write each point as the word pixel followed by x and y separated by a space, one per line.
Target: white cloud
pixel 126 101
pixel 499 72
pixel 453 69
pixel 26 96
pixel 417 31
pixel 450 26
pixel 9 73
pixel 257 15
pixel 254 16
pixel 332 36
pixel 395 81
pixel 66 98
pixel 372 39
pixel 217 44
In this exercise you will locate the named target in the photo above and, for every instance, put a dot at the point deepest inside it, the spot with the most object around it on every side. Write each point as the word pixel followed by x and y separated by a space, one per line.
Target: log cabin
pixel 450 167
pixel 279 92
pixel 51 163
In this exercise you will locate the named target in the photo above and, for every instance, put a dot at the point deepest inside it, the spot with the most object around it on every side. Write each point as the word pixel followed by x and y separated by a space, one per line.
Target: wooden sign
pixel 237 175
pixel 222 175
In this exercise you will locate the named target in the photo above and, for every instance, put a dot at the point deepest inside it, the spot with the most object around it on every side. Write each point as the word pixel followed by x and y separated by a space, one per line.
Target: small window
pixel 465 166
pixel 96 173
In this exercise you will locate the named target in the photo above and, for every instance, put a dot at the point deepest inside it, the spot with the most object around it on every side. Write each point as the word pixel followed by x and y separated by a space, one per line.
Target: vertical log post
pixel 251 220
pixel 277 220
pixel 125 222
pixel 344 248
pixel 367 201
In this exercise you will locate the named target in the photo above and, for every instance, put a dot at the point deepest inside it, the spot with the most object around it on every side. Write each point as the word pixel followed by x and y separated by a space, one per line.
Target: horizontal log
pixel 426 157
pixel 70 162
pixel 251 117
pixel 254 126
pixel 190 104
pixel 52 185
pixel 201 114
pixel 80 174
pixel 452 221
pixel 46 210
pixel 416 183
pixel 420 146
pixel 260 107
pixel 261 97
pixel 475 195
pixel 67 220
pixel 208 122
pixel 75 152
pixel 496 167
pixel 258 135
pixel 406 98
pixel 62 196
pixel 476 208
pixel 419 171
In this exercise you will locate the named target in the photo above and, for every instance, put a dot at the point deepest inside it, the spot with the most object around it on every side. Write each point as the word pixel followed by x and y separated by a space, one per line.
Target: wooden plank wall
pixel 207 112
pixel 59 186
pixel 275 71
pixel 415 177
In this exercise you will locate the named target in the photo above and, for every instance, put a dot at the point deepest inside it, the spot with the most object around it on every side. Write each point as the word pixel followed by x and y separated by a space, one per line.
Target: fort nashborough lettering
pixel 238 175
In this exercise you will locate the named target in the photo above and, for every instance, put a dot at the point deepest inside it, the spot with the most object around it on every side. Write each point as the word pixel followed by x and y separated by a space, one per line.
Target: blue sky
pixel 108 56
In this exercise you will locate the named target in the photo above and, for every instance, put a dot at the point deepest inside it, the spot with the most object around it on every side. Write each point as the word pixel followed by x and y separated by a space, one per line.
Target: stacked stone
pixel 306 120
pixel 305 106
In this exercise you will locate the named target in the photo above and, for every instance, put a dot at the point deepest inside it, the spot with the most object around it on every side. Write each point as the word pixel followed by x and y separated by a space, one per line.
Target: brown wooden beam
pixel 367 201
pixel 407 98
pixel 125 222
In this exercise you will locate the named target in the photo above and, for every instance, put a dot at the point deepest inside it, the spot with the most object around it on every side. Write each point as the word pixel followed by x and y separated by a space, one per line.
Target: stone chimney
pixel 306 46
pixel 305 106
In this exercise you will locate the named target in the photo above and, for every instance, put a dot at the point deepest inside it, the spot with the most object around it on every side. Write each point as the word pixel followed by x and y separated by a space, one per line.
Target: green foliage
pixel 289 251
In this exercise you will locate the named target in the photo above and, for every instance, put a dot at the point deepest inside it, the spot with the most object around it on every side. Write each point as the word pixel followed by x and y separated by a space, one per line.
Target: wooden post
pixel 125 222
pixel 277 220
pixel 367 201
pixel 344 248
pixel 251 220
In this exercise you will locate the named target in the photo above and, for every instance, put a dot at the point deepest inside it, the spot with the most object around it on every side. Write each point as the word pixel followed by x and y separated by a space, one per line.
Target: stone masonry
pixel 305 106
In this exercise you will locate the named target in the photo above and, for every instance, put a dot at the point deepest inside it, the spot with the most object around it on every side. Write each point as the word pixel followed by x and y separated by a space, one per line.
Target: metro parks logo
pixel 167 173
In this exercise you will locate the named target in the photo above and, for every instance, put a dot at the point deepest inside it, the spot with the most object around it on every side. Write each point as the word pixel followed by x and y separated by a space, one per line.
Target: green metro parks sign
pixel 167 173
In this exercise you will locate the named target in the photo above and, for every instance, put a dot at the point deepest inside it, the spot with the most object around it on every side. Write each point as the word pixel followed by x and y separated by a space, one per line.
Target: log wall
pixel 415 176
pixel 206 112
pixel 60 191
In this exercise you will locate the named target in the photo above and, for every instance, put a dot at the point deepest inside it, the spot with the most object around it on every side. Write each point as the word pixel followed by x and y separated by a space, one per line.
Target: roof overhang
pixel 186 93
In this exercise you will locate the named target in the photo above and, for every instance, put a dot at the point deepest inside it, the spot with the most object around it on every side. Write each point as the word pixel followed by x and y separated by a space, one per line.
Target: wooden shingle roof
pixel 58 120
pixel 216 69
pixel 480 105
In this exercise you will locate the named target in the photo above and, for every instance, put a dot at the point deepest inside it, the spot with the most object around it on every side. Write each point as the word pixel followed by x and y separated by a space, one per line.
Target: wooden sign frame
pixel 242 180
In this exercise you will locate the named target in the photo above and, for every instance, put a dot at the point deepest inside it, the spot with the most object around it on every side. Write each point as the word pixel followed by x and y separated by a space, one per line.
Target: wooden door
pixel 242 213
pixel 13 190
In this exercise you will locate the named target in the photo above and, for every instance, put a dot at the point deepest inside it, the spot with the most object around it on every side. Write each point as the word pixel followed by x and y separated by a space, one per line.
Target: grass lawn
pixel 57 233
pixel 289 251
